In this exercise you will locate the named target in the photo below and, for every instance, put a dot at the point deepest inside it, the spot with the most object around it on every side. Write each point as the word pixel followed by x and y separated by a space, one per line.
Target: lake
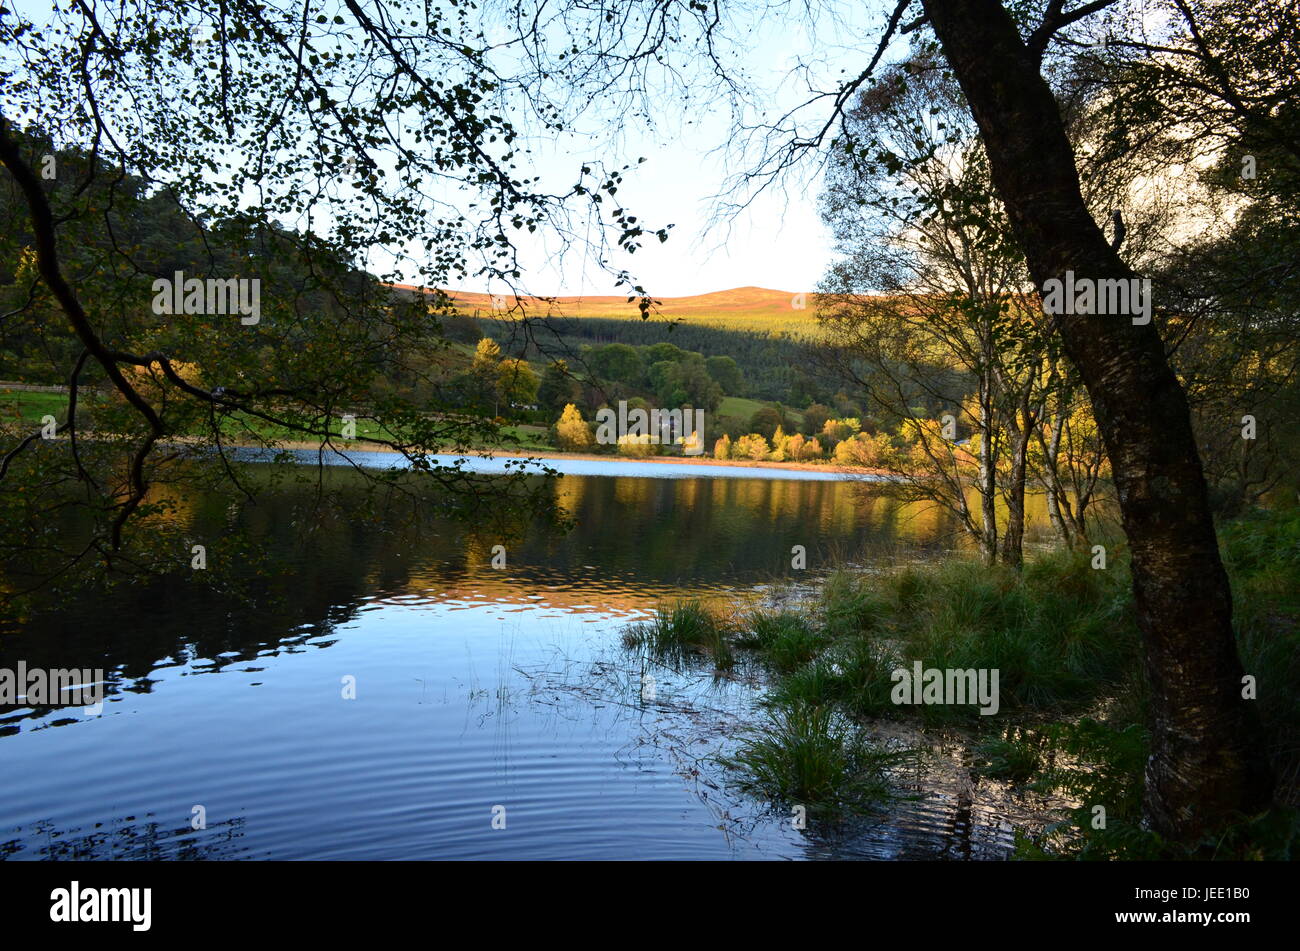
pixel 393 695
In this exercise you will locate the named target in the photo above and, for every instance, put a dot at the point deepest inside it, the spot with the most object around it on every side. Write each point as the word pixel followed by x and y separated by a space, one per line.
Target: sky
pixel 779 242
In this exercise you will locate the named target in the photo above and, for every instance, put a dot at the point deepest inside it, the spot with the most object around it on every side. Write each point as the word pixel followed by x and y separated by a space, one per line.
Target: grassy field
pixel 736 407
pixel 28 407
pixel 739 407
pixel 31 406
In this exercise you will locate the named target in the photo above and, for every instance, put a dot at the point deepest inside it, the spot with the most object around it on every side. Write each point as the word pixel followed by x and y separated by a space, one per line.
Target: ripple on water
pixel 474 688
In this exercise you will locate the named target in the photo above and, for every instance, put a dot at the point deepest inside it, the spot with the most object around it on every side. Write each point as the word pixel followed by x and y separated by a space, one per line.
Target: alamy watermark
pixel 78 904
pixel 654 426
pixel 1128 297
pixel 57 687
pixel 234 295
pixel 947 687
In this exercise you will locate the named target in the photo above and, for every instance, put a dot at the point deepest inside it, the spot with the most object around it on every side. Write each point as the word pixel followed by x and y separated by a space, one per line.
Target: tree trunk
pixel 988 488
pixel 1013 539
pixel 1052 481
pixel 1206 760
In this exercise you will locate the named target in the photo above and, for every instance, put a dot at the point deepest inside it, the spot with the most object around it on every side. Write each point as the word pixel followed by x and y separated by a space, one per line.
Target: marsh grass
pixel 849 607
pixel 1064 639
pixel 811 756
pixel 1016 755
pixel 854 676
pixel 1059 633
pixel 684 630
pixel 785 639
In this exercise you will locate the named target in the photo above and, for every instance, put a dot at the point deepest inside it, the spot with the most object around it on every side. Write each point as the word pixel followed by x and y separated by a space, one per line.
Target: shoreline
pixel 830 468
pixel 701 460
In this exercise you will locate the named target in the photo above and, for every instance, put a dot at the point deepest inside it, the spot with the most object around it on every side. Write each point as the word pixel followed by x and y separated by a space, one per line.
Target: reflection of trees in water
pixel 287 570
pixel 294 588
pixel 128 838
pixel 740 528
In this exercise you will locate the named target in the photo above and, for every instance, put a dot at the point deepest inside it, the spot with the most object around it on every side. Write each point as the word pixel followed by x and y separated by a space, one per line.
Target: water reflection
pixel 634 541
pixel 475 686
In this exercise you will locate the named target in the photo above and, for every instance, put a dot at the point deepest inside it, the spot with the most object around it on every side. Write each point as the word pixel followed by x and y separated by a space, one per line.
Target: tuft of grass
pixel 854 676
pixel 851 606
pixel 683 630
pixel 786 639
pixel 811 756
pixel 1016 756
pixel 814 684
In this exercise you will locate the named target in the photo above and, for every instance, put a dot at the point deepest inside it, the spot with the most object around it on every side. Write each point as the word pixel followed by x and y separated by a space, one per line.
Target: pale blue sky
pixel 779 242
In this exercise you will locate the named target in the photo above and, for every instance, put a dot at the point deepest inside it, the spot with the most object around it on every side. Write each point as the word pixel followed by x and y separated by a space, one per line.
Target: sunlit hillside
pixel 741 308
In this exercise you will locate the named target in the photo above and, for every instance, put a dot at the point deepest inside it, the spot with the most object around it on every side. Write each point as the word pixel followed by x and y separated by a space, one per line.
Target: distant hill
pixel 741 308
pixel 762 329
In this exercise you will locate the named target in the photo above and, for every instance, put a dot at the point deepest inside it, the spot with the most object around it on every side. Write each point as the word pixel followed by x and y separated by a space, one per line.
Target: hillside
pixel 740 308
pixel 761 329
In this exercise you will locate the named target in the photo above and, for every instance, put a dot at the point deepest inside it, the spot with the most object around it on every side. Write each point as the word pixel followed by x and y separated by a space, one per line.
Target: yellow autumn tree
pixel 571 431
pixel 780 449
pixel 487 353
pixel 812 449
pixel 865 450
pixel 637 447
pixel 754 446
pixel 151 381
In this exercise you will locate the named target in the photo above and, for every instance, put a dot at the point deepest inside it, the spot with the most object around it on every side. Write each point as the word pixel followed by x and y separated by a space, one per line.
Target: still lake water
pixel 476 689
